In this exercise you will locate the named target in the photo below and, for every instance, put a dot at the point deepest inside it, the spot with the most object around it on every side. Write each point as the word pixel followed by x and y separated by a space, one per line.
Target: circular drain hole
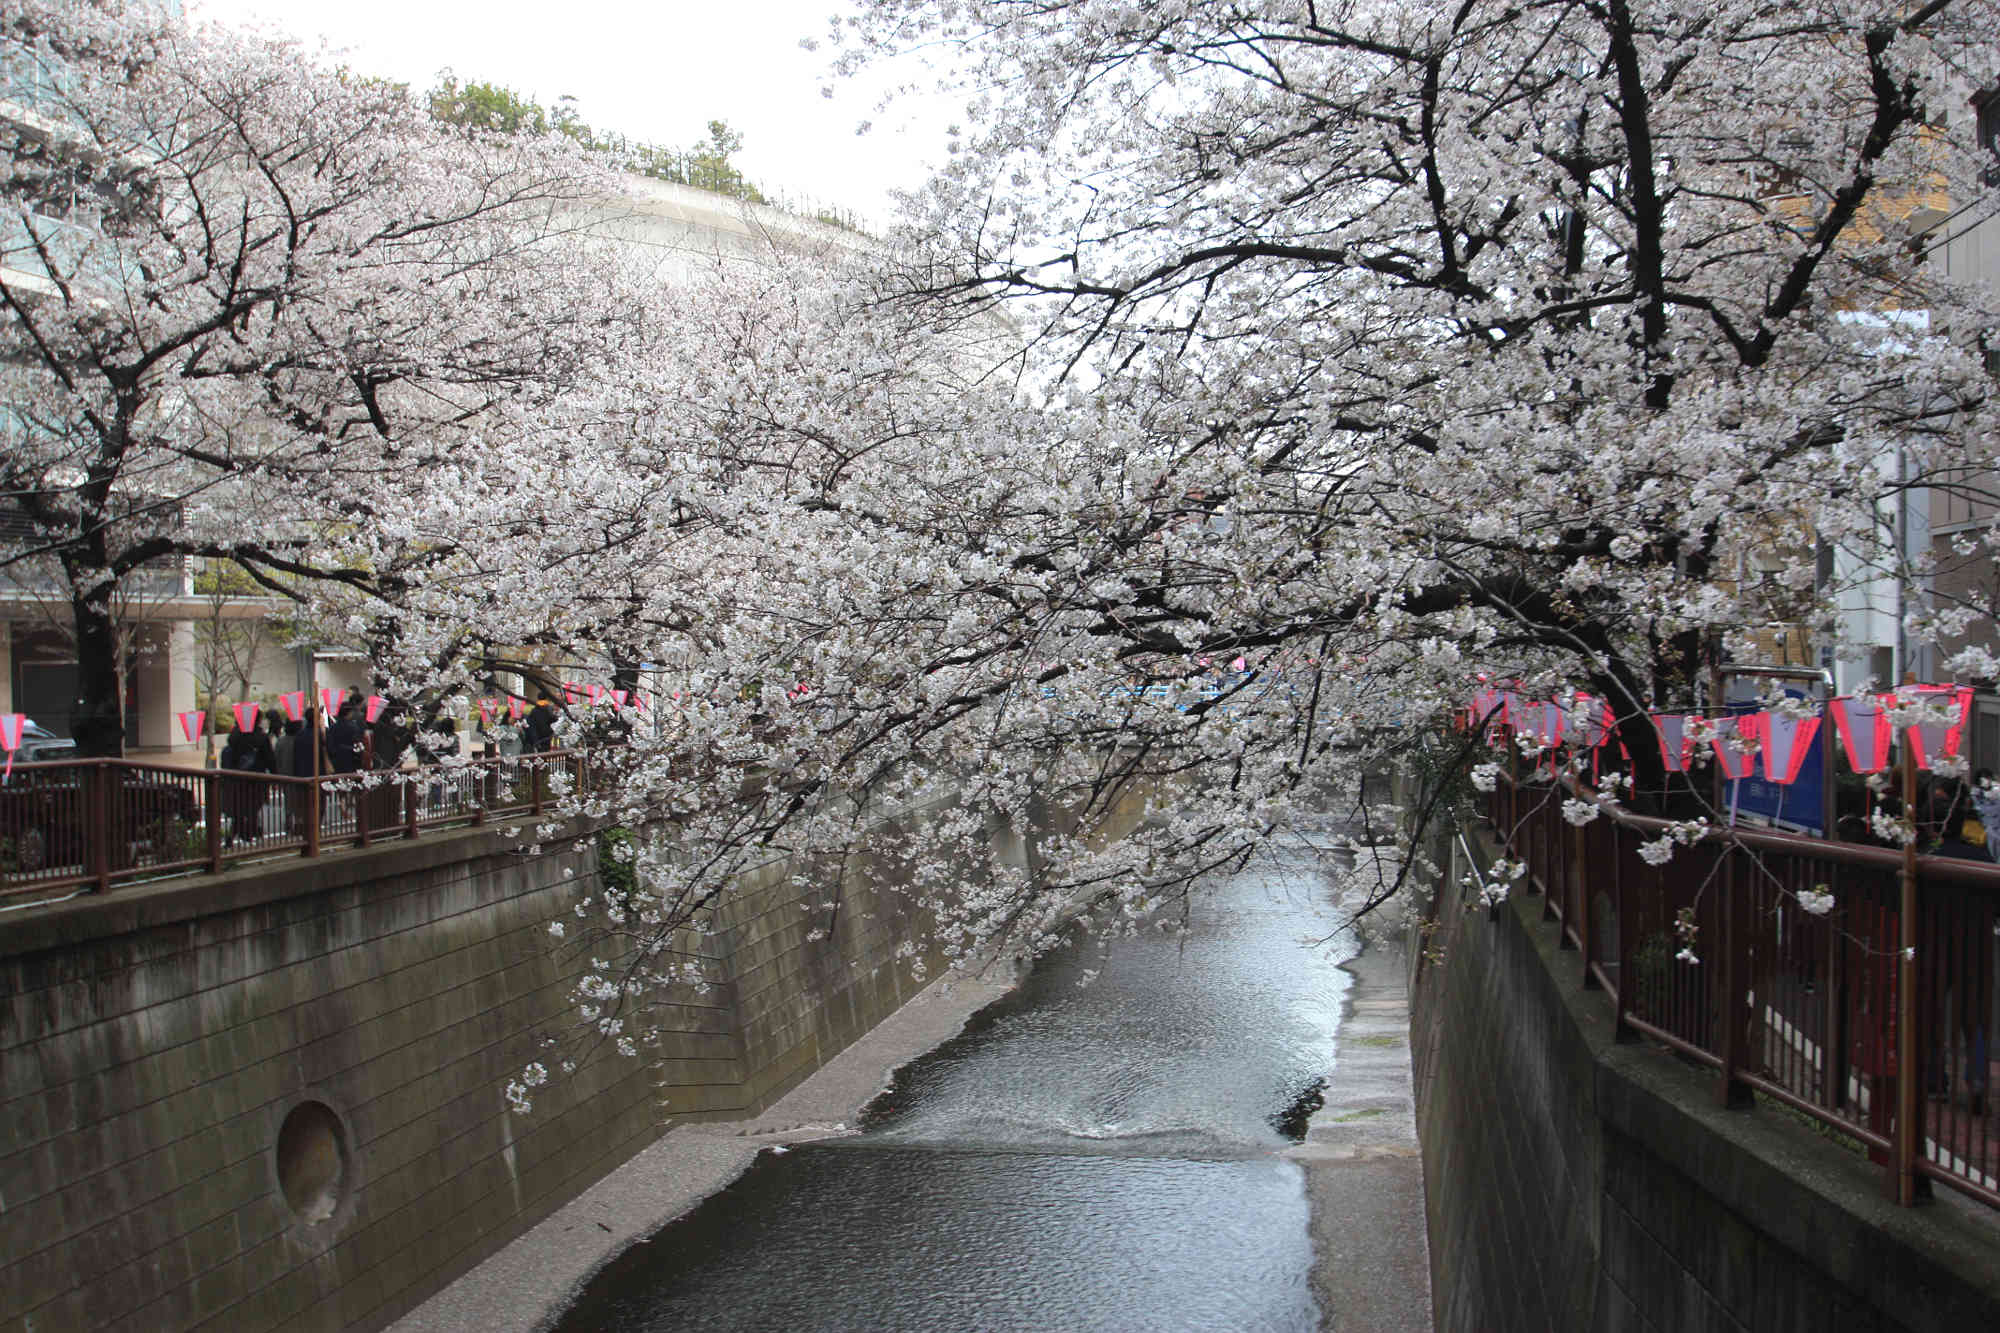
pixel 312 1161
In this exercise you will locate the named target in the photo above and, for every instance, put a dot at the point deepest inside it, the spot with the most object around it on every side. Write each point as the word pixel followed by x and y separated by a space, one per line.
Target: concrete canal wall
pixel 1576 1183
pixel 275 1098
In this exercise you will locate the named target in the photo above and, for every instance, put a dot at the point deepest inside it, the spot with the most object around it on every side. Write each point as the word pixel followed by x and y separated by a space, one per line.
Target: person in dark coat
pixel 306 759
pixel 345 742
pixel 538 729
pixel 392 736
pixel 244 755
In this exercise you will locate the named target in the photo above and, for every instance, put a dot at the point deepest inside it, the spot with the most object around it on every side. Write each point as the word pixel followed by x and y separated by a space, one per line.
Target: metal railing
pixel 94 824
pixel 1712 954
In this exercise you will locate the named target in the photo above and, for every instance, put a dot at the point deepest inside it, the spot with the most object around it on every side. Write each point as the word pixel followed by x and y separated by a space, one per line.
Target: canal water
pixel 1099 1156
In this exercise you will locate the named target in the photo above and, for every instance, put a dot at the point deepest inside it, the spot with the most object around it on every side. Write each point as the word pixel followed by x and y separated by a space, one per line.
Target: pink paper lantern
pixel 1543 721
pixel 1590 721
pixel 1676 741
pixel 1932 741
pixel 1735 762
pixel 1785 742
pixel 1863 727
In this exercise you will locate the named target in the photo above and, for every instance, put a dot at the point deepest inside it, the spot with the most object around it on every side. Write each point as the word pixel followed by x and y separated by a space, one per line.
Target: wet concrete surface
pixel 1364 1175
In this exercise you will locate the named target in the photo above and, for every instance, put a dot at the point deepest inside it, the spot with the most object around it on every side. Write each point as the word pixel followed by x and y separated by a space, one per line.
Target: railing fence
pixel 98 823
pixel 1712 954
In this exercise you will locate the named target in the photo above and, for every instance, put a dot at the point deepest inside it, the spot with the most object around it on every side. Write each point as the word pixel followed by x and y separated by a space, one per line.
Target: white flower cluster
pixel 1816 901
pixel 1685 930
pixel 1889 828
pixel 1485 777
pixel 1580 812
pixel 532 1076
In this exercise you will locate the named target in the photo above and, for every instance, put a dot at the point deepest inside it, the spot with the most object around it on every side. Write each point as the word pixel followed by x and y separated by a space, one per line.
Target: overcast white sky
pixel 658 71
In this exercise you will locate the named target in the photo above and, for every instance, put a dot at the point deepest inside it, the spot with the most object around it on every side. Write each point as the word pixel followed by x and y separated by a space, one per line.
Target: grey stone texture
pixel 152 1043
pixel 1576 1182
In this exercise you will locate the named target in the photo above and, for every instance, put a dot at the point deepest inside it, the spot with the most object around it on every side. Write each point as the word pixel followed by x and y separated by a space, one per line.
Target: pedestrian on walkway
pixel 245 754
pixel 345 739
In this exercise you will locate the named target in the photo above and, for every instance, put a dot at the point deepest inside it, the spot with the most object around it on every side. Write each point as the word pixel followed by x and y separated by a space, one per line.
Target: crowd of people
pixel 350 743
pixel 1956 818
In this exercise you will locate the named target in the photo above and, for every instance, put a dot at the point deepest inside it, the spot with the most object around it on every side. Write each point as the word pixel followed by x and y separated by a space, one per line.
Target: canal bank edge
pixel 1363 1167
pixel 525 1287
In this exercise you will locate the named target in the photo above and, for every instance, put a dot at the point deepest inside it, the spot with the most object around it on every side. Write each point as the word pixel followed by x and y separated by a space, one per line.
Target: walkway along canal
pixel 1122 1154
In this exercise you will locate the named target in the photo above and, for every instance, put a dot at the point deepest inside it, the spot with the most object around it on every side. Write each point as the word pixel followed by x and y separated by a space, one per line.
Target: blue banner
pixel 1802 805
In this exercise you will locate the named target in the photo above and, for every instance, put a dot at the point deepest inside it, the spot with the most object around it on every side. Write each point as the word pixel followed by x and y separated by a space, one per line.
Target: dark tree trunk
pixel 97 716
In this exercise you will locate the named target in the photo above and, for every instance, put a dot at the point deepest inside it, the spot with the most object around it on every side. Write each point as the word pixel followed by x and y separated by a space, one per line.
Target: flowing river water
pixel 1104 1156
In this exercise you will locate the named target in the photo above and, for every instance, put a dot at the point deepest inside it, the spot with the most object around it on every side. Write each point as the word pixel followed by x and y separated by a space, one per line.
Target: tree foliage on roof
pixel 494 109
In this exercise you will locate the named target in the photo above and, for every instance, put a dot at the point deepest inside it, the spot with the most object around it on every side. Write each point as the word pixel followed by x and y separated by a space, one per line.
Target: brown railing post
pixel 1732 987
pixel 1570 861
pixel 100 819
pixel 1903 1143
pixel 410 806
pixel 535 786
pixel 360 797
pixel 312 816
pixel 1584 944
pixel 1551 845
pixel 1628 930
pixel 212 817
pixel 1834 1066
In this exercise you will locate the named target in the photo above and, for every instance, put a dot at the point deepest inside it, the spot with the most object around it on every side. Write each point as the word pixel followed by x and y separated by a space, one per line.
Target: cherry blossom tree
pixel 1511 337
pixel 247 296
pixel 1256 376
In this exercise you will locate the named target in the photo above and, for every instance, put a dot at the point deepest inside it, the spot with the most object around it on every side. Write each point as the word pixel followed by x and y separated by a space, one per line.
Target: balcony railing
pixel 1712 954
pixel 92 825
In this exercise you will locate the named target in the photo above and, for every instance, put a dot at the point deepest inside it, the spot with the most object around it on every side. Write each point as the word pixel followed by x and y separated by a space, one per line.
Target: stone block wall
pixel 1578 1183
pixel 275 1098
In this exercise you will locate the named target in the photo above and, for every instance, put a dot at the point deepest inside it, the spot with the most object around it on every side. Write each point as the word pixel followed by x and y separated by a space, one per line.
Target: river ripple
pixel 1082 1157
